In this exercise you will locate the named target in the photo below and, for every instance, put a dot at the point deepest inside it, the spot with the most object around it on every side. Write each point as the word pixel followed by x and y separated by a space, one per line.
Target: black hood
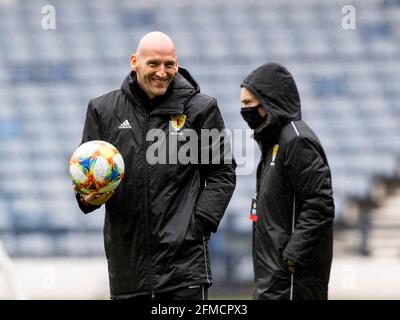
pixel 182 88
pixel 274 86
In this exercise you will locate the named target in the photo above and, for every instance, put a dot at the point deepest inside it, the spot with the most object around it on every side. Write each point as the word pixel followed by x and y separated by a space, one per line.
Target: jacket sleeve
pixel 91 131
pixel 218 177
pixel 310 177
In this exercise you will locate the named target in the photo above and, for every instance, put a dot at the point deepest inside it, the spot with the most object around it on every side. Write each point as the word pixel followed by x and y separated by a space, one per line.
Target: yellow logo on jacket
pixel 274 153
pixel 178 121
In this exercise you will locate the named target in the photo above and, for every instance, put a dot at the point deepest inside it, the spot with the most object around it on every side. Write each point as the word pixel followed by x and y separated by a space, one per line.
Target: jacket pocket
pixel 195 231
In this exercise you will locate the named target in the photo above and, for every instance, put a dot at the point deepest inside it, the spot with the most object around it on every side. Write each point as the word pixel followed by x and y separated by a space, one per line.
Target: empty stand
pixel 348 82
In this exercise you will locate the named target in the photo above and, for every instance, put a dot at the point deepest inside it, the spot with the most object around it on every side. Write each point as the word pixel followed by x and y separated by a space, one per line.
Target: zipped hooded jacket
pixel 294 202
pixel 158 222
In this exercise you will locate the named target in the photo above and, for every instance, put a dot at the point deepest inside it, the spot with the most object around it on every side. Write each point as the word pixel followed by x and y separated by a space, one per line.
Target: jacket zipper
pixel 205 259
pixel 293 224
pixel 147 218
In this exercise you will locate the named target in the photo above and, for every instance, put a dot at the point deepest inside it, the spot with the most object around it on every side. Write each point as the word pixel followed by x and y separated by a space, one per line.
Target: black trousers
pixel 193 292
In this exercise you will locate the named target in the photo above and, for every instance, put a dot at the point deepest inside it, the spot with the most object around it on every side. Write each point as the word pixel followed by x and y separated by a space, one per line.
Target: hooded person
pixel 293 208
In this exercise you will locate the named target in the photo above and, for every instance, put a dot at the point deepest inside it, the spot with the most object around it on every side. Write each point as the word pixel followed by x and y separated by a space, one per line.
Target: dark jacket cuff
pixel 85 207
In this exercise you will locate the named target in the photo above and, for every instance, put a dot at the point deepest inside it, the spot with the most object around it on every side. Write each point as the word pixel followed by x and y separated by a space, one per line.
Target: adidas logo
pixel 125 125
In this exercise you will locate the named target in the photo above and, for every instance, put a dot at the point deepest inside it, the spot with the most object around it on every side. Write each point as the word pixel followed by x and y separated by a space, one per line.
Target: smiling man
pixel 159 220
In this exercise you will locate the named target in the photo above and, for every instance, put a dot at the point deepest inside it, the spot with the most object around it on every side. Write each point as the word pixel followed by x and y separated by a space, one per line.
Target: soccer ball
pixel 96 166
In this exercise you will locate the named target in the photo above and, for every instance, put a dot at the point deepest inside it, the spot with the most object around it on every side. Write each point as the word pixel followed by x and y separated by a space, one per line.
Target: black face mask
pixel 252 116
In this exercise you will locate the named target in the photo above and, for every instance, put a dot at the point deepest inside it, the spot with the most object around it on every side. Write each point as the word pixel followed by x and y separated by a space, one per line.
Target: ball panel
pixel 110 186
pixel 119 162
pixel 77 173
pixel 87 149
pixel 101 169
pixel 106 152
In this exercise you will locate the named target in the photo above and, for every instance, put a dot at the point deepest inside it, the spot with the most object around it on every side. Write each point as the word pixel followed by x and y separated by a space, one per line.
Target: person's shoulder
pixel 199 107
pixel 106 99
pixel 202 100
pixel 298 130
pixel 201 104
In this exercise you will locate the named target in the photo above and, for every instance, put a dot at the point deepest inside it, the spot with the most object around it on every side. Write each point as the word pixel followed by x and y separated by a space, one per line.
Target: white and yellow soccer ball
pixel 96 166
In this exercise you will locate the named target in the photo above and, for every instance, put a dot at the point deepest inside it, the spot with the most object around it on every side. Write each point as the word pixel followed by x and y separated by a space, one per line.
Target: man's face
pixel 249 100
pixel 155 69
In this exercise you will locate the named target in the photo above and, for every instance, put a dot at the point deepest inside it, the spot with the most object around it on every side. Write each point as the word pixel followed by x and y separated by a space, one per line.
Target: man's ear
pixel 177 63
pixel 262 111
pixel 133 61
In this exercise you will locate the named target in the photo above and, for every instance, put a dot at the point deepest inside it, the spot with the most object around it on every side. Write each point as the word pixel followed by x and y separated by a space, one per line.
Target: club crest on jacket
pixel 178 121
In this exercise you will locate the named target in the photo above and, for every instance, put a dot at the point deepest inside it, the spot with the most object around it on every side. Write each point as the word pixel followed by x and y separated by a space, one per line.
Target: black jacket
pixel 159 220
pixel 294 182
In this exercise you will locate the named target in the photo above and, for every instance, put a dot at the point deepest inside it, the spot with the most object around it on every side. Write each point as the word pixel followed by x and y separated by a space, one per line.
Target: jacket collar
pixel 180 91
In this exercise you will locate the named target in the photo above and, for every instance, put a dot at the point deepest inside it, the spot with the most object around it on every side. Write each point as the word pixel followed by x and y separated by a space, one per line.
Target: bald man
pixel 160 218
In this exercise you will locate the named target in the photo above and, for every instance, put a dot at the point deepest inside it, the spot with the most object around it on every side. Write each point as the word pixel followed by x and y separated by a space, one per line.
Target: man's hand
pixel 94 198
